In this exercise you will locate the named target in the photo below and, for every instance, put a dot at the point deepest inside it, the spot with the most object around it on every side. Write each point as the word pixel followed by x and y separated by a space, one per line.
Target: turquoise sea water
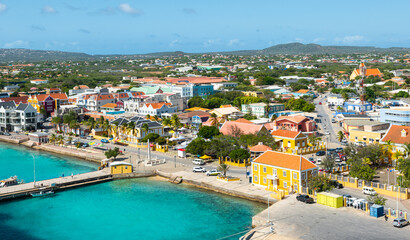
pixel 121 209
pixel 18 161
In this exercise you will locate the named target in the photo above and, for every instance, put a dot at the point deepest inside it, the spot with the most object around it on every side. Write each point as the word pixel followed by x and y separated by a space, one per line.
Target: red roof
pixel 229 128
pixel 259 148
pixel 397 134
pixel 61 96
pixel 16 100
pixel 284 160
pixel 157 105
pixel 296 118
pixel 285 133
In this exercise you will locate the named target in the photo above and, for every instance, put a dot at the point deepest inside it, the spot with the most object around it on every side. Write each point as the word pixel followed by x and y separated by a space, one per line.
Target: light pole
pixel 175 161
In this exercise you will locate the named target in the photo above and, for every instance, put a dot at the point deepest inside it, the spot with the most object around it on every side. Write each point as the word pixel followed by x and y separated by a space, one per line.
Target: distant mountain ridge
pixel 28 55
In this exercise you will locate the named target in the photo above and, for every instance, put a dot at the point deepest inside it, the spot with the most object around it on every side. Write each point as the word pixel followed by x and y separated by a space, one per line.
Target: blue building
pixel 396 116
pixel 202 90
pixel 357 106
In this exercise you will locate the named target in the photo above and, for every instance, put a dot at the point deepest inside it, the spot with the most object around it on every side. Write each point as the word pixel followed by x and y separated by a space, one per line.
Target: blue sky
pixel 126 27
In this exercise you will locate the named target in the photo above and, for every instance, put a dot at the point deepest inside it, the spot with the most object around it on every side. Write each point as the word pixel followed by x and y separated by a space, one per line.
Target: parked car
pixel 320 103
pixel 333 120
pixel 346 195
pixel 318 161
pixel 304 198
pixel 90 137
pixel 327 133
pixel 337 184
pixel 400 222
pixel 104 140
pixel 339 150
pixel 213 172
pixel 198 169
pixel 320 153
pixel 312 160
pixel 7 134
pixel 369 191
pixel 85 145
pixel 337 159
pixel 198 161
pixel 74 142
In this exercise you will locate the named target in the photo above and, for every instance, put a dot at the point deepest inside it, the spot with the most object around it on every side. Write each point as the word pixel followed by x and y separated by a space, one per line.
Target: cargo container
pixel 376 210
pixel 330 199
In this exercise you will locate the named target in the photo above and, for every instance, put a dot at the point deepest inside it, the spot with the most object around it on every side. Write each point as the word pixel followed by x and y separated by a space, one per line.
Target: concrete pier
pixel 26 189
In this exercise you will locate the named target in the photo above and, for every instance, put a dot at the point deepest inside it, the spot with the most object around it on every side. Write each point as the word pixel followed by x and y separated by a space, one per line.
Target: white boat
pixel 9 182
pixel 42 193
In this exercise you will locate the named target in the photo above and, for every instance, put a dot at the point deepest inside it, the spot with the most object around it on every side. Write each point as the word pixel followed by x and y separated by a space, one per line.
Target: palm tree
pixel 166 122
pixel 145 127
pixel 74 125
pixel 56 121
pixel 114 129
pixel 340 136
pixel 148 116
pixel 100 121
pixel 273 118
pixel 53 138
pixel 156 118
pixel 60 140
pixel 214 120
pixel 70 139
pixel 91 123
pixel 223 168
pixel 407 149
pixel 123 129
pixel 175 121
pixel 131 129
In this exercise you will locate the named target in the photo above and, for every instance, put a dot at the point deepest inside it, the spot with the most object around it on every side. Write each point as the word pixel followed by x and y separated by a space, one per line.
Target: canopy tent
pixel 205 157
pixel 172 131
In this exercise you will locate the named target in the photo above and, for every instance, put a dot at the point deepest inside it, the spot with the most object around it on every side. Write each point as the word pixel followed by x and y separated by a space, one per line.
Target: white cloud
pixel 299 39
pixel 126 8
pixel 49 9
pixel 319 40
pixel 175 42
pixel 16 44
pixel 233 42
pixel 210 42
pixel 3 7
pixel 350 39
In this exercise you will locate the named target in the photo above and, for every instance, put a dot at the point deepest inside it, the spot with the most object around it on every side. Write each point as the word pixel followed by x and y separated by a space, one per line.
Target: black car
pixel 337 184
pixel 321 153
pixel 304 198
pixel 338 150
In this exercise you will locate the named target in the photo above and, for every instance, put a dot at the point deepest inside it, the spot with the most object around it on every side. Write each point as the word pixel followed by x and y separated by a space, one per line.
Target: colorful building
pixel 294 123
pixel 365 131
pixel 253 94
pixel 295 142
pixel 282 172
pixel 120 167
pixel 262 109
pixel 396 138
pixel 365 72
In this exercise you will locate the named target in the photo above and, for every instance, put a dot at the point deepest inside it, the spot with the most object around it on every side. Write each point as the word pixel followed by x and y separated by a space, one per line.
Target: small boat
pixel 9 182
pixel 42 193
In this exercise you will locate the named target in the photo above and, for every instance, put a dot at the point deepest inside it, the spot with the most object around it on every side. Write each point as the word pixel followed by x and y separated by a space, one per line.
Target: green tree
pixel 151 136
pixel 360 170
pixel 166 122
pixel 176 123
pixel 377 199
pixel 340 136
pixel 320 183
pixel 161 140
pixel 208 132
pixel 403 165
pixel 328 163
pixel 197 146
pixel 195 102
pixel 145 128
pixel 239 154
pixel 112 153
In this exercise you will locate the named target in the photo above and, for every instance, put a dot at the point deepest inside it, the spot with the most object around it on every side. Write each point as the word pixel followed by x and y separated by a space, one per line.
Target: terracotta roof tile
pixel 285 160
pixel 243 120
pixel 295 118
pixel 395 134
pixel 260 148
pixel 244 128
pixel 285 133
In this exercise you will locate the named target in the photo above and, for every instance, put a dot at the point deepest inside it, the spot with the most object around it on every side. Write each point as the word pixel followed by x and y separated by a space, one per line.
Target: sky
pixel 145 26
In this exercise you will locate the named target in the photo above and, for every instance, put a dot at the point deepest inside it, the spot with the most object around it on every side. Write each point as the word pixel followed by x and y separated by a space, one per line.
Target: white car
pixel 359 203
pixel 369 191
pixel 327 133
pixel 213 172
pixel 198 169
pixel 198 161
pixel 318 161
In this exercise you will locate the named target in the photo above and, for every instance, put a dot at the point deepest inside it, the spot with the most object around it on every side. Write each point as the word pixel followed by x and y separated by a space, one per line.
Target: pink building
pixel 292 123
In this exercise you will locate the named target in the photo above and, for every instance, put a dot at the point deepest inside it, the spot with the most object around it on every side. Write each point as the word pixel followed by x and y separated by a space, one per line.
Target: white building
pixel 335 99
pixel 156 109
pixel 13 118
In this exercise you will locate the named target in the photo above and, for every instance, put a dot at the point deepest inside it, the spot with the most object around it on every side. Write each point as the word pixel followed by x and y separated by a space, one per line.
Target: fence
pixel 383 189
pixel 236 163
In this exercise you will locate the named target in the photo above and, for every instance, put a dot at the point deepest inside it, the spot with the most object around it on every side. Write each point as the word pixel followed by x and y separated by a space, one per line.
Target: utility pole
pixel 175 161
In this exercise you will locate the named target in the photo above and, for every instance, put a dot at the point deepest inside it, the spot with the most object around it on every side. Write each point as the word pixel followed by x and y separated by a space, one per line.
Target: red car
pixel 320 103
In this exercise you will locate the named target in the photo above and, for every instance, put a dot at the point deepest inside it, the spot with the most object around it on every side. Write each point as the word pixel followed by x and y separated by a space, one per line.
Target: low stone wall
pixel 137 174
pixel 70 152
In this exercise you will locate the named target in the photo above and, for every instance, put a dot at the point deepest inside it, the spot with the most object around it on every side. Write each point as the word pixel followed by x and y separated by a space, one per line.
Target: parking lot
pixel 296 220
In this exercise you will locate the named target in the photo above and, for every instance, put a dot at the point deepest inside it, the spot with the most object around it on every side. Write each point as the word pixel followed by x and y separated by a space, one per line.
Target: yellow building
pixel 120 167
pixel 276 171
pixel 295 142
pixel 253 94
pixel 365 130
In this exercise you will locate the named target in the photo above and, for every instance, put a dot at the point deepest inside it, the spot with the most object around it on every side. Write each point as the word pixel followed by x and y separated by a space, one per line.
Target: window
pixel 255 167
pixel 285 184
pixel 256 179
pixel 264 180
pixel 284 173
pixel 289 144
pixel 303 175
pixel 295 187
pixel 264 169
pixel 274 171
pixel 303 144
pixel 295 175
pixel 355 138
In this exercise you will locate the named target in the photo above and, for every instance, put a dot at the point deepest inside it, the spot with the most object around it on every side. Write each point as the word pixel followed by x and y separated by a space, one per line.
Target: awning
pixel 205 157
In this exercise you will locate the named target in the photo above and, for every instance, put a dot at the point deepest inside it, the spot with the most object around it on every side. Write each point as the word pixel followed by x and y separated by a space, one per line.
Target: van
pixel 90 137
pixel 369 191
pixel 198 161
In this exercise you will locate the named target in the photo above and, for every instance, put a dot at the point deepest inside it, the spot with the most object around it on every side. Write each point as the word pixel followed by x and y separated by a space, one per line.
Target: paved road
pixel 296 220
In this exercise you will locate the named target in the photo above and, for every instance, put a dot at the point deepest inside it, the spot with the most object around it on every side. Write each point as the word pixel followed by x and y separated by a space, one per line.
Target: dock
pixel 55 184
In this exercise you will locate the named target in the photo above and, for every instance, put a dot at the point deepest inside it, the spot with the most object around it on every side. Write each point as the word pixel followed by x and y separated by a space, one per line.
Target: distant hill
pixel 18 54
pixel 28 55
